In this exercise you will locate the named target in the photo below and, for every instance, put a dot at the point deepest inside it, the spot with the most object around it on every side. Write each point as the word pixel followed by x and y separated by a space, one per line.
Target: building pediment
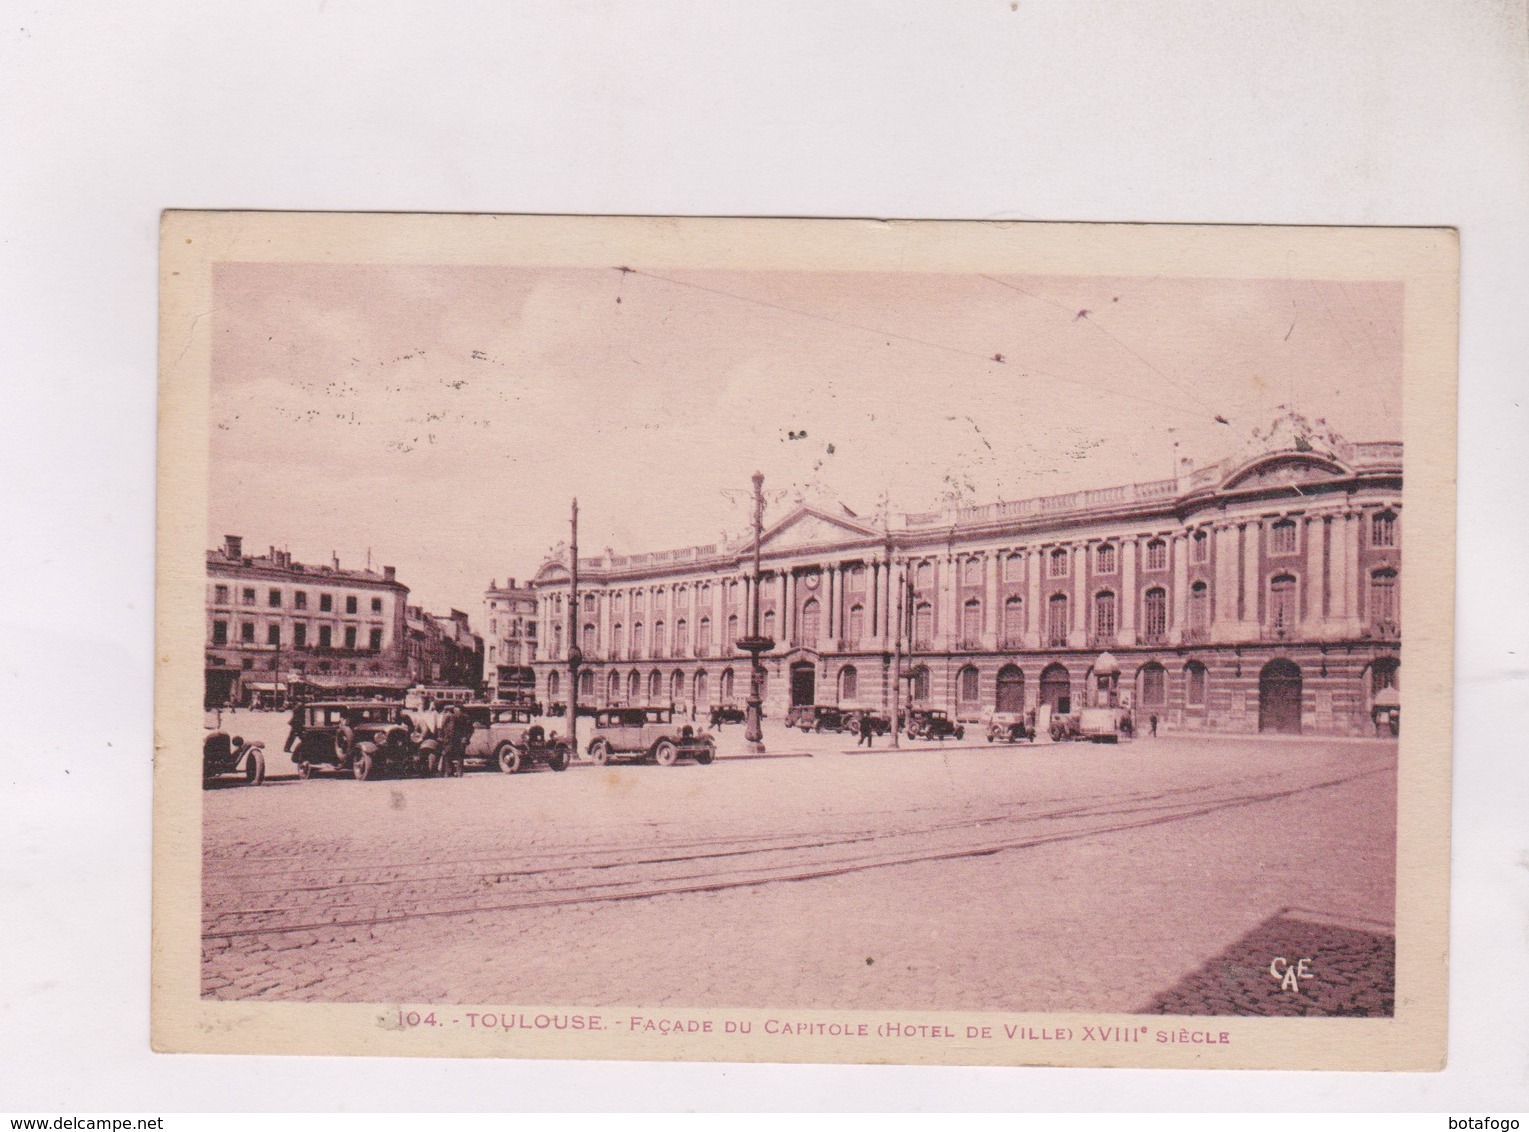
pixel 1286 469
pixel 808 527
pixel 552 571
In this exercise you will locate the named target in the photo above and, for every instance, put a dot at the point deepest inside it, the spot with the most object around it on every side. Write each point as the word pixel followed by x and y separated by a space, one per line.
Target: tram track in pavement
pixel 708 864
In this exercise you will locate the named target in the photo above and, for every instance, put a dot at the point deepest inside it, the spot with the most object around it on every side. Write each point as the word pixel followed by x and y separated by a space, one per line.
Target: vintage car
pixel 932 723
pixel 506 736
pixel 223 754
pixel 647 733
pixel 1096 724
pixel 367 738
pixel 726 713
pixel 820 717
pixel 1009 727
pixel 859 720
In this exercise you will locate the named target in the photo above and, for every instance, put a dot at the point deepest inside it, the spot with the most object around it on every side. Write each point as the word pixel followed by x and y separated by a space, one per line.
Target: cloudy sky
pixel 442 418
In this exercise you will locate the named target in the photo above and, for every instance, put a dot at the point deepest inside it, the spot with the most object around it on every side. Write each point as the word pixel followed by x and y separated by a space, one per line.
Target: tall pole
pixel 755 643
pixel 897 650
pixel 575 654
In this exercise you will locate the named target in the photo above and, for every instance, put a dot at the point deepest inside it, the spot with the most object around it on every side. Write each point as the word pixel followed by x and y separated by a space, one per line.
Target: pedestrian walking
pixel 1153 724
pixel 294 725
pixel 867 733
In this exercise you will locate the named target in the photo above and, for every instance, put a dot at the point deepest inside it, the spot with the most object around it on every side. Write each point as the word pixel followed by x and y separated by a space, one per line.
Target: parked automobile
pixel 1096 724
pixel 647 733
pixel 367 738
pixel 932 723
pixel 860 720
pixel 507 736
pixel 820 718
pixel 1010 727
pixel 225 754
pixel 726 713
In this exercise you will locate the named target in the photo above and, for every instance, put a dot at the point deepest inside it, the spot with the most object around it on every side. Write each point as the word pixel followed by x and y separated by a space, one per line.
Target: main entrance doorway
pixel 1056 689
pixel 1279 698
pixel 804 683
pixel 1011 689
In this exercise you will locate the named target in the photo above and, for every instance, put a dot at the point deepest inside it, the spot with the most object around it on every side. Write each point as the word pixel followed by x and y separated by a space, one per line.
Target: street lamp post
pixel 575 654
pixel 754 643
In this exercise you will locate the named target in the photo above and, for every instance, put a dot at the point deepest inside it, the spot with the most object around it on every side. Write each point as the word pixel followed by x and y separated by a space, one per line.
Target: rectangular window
pixel 220 632
pixel 1157 555
pixel 1059 558
pixel 1104 615
pixel 1104 559
pixel 249 596
pixel 325 636
pixel 1383 529
pixel 247 632
pixel 1282 537
pixel 300 635
pixel 1013 568
pixel 376 605
pixel 274 599
pixel 221 595
pixel 300 599
pixel 1200 547
pixel 376 639
pixel 350 635
pixel 350 603
pixel 273 635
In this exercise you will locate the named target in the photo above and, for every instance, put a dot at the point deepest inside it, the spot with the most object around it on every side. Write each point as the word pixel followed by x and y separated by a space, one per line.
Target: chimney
pixel 233 547
pixel 389 574
pixel 509 583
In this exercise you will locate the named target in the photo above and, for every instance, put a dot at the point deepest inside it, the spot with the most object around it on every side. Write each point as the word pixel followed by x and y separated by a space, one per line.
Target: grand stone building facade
pixel 1261 593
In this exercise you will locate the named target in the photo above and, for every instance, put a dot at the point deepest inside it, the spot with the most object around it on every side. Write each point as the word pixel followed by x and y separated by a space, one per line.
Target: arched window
pixel 1157 555
pixel 1199 607
pixel 1104 558
pixel 1057 622
pixel 920 684
pixel 589 603
pixel 855 579
pixel 681 637
pixel 1014 567
pixel 849 684
pixel 971 623
pixel 727 685
pixel 677 687
pixel 587 684
pixel 1154 685
pixel 700 698
pixel 1383 602
pixel 731 642
pixel 971 571
pixel 637 641
pixel 1383 529
pixel 655 688
pixel 617 640
pixel 1282 603
pixel 967 685
pixel 613 688
pixel 923 624
pixel 810 613
pixel 1011 689
pixel 767 624
pixel 1199 547
pixel 633 687
pixel 1194 684
pixel 923 577
pixel 1014 620
pixel 1155 613
pixel 639 602
pixel 554 684
pixel 590 638
pixel 658 639
pixel 557 637
pixel 703 637
pixel 1059 558
pixel 856 627
pixel 1104 615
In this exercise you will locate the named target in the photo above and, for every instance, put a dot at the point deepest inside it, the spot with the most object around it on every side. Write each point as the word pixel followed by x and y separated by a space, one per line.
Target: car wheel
pixel 960 733
pixel 254 768
pixel 304 770
pixel 706 754
pixel 361 766
pixel 600 752
pixel 666 753
pixel 509 758
pixel 559 759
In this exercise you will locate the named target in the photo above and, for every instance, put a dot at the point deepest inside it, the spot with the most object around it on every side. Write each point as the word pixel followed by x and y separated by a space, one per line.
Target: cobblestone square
pixel 1138 877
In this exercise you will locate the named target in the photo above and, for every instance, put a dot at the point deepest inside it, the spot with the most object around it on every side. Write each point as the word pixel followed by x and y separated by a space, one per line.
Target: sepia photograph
pixel 804 640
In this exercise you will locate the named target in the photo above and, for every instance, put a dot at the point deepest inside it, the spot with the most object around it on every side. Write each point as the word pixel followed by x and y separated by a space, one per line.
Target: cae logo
pixel 1289 976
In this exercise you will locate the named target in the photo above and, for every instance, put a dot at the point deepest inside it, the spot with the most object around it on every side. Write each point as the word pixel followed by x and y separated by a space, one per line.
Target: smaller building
pixel 278 628
pixel 509 645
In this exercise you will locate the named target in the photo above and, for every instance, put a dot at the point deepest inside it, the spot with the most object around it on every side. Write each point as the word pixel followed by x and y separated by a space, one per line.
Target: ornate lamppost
pixel 754 643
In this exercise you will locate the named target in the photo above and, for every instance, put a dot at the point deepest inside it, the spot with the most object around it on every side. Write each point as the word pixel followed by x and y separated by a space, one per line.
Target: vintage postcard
pixel 805 640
